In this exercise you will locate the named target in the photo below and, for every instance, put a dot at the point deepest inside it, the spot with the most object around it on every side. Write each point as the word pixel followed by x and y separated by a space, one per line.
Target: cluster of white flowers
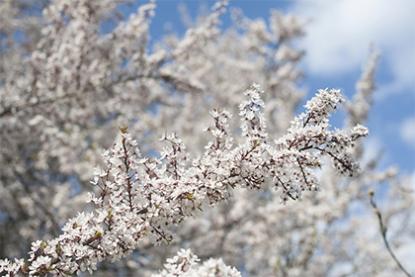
pixel 141 196
pixel 360 106
pixel 73 71
pixel 185 264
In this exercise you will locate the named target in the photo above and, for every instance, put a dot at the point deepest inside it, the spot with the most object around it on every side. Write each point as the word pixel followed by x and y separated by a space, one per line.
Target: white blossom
pixel 75 73
pixel 186 264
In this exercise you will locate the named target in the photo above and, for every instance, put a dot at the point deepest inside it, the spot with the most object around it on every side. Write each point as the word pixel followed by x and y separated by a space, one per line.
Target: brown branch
pixel 12 109
pixel 343 163
pixel 303 173
pixel 127 172
pixel 383 230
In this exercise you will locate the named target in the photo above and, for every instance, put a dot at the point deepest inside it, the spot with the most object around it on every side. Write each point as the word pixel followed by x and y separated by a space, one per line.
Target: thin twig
pixel 383 230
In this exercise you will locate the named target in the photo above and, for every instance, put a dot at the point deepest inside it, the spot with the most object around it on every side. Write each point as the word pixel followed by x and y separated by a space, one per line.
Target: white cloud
pixel 341 31
pixel 408 131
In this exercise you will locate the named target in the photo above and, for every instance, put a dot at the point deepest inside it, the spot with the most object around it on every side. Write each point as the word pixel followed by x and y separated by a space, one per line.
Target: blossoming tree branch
pixel 239 184
pixel 140 196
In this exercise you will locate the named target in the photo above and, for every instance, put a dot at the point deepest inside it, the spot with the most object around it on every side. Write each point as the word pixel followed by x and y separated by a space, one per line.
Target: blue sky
pixel 337 45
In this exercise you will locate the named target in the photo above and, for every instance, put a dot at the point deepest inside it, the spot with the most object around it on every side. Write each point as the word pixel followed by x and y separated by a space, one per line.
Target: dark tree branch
pixel 383 231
